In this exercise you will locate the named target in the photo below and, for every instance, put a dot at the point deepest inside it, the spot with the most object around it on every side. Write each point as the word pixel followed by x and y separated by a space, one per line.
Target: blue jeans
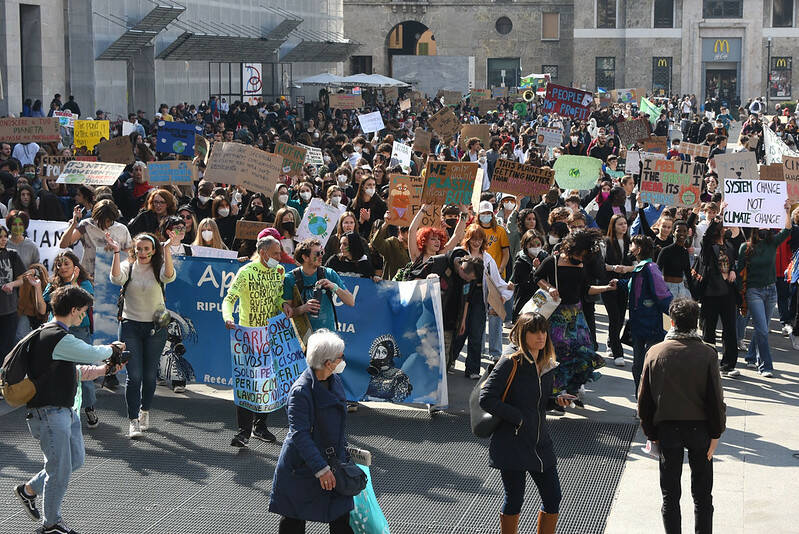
pixel 494 336
pixel 761 302
pixel 23 328
pixel 86 386
pixel 741 322
pixel 145 348
pixel 59 435
pixel 548 484
pixel 640 348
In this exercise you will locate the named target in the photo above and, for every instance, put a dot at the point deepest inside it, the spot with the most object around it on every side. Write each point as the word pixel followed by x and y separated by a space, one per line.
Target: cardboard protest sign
pixel 568 101
pixel 422 140
pixel 630 132
pixel 244 165
pixel 405 105
pixel 202 148
pixel 518 179
pixel 655 144
pixel 775 171
pixel 671 182
pixel 66 118
pixel 693 149
pixel 116 150
pixel 577 172
pixel 499 92
pixel 177 137
pixel 250 229
pixel 754 203
pixel 775 147
pixel 636 157
pixel 30 130
pixel 53 165
pixel 445 123
pixel 480 131
pixel 791 174
pixel 400 155
pixel 548 136
pixel 451 98
pixel 405 201
pixel 603 100
pixel 88 133
pixel 175 172
pixel 391 93
pixel 293 158
pixel 449 182
pixel 90 173
pixel 478 95
pixel 313 155
pixel 319 221
pixel 345 101
pixel 736 165
pixel 487 104
pixel 371 122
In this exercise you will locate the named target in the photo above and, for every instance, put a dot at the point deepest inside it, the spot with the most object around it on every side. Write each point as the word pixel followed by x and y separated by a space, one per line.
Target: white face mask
pixel 272 263
pixel 335 201
pixel 369 191
pixel 224 212
pixel 485 218
pixel 533 251
pixel 342 178
pixel 283 199
pixel 340 367
pixel 508 205
pixel 208 235
pixel 203 199
pixel 237 198
pixel 553 240
pixel 305 195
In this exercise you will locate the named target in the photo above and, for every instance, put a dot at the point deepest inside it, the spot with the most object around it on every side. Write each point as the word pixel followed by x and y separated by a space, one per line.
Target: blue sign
pixel 177 138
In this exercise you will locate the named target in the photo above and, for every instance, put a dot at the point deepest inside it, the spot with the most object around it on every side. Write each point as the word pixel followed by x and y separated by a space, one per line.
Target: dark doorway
pixel 403 40
pixel 722 84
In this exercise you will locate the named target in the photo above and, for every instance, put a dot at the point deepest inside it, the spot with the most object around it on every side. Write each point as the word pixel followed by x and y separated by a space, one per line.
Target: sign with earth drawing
pixel 319 221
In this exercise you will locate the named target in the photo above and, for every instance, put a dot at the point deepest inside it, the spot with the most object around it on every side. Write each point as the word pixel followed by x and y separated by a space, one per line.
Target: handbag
pixel 366 516
pixel 483 423
pixel 350 480
pixel 541 301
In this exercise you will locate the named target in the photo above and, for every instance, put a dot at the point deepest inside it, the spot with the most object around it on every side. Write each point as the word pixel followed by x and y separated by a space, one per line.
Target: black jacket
pixel 524 287
pixel 56 380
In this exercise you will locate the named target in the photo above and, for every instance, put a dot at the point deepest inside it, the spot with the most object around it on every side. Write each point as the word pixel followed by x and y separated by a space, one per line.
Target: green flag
pixel 651 109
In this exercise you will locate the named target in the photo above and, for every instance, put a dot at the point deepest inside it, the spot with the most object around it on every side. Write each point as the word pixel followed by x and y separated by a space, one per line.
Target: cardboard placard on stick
pixel 671 182
pixel 175 172
pixel 345 101
pixel 249 229
pixel 89 133
pixel 775 171
pixel 736 165
pixel 293 158
pixel 630 132
pixel 693 149
pixel 445 123
pixel 655 144
pixel 30 130
pixel 519 179
pixel 244 165
pixel 405 105
pixel 487 104
pixel 421 141
pixel 451 98
pixel 90 173
pixel 790 166
pixel 480 131
pixel 449 182
pixel 116 150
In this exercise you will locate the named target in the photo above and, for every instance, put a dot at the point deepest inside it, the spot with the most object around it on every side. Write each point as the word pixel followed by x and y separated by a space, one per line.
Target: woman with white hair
pixel 304 487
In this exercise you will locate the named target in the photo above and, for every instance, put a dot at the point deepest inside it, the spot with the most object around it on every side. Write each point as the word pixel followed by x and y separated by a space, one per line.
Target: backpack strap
pixel 321 275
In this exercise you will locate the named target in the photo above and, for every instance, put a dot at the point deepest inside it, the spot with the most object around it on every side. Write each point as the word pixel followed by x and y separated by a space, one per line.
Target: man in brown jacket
pixel 681 406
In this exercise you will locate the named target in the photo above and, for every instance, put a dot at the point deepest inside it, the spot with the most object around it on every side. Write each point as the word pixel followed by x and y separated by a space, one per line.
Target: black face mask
pixel 288 226
pixel 257 210
pixel 451 223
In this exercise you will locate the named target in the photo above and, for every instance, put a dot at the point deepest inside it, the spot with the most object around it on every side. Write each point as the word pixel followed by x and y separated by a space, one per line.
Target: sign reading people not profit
pixel 671 182
pixel 89 133
pixel 266 361
pixel 244 165
pixel 449 182
pixel 577 172
pixel 29 130
pixel 754 203
pixel 568 101
pixel 524 180
pixel 293 158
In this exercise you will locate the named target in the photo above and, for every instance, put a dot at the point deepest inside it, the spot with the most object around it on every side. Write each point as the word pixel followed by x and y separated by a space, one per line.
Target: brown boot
pixel 509 524
pixel 546 522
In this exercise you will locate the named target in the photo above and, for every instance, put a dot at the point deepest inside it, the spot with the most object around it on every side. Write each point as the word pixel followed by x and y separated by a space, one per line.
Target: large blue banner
pixel 393 334
pixel 177 137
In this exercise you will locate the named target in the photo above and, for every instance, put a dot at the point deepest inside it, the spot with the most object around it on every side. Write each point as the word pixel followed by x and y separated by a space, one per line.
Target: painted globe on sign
pixel 317 225
pixel 178 147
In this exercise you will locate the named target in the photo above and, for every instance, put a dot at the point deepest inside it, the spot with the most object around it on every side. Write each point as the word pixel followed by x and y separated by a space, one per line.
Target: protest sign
pixel 630 132
pixel 391 93
pixel 89 133
pixel 400 155
pixel 478 95
pixel 736 165
pixel 244 165
pixel 405 105
pixel 293 158
pixel 171 172
pixel 128 128
pixel 568 102
pixel 46 235
pixel 754 203
pixel 775 147
pixel 266 361
pixel 775 171
pixel 313 155
pixel 202 148
pixel 518 179
pixel 635 157
pixel 211 252
pixel 499 92
pixel 445 123
pixel 30 130
pixel 53 165
pixel 449 182
pixel 655 144
pixel 404 199
pixel 625 96
pixel 487 104
pixel 451 98
pixel 693 149
pixel 577 172
pixel 345 101
pixel 90 173
pixel 520 108
pixel 66 118
pixel 422 140
pixel 791 174
pixel 116 150
pixel 318 221
pixel 397 322
pixel 603 100
pixel 249 229
pixel 650 109
pixel 176 137
pixel 671 182
pixel 548 136
pixel 480 131
pixel 371 122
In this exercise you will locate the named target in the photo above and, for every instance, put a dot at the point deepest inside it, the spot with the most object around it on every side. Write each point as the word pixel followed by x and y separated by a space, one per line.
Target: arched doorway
pixel 409 38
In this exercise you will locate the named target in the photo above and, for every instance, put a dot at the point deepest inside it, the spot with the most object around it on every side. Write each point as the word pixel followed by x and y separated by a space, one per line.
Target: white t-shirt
pixel 94 238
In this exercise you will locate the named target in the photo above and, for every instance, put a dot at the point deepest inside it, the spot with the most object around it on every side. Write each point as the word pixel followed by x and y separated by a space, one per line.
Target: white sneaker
pixel 144 420
pixel 135 430
pixel 766 374
pixel 787 330
pixel 179 389
pixel 618 362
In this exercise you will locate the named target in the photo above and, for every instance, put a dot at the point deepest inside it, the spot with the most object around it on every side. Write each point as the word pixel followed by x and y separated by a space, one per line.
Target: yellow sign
pixel 782 62
pixel 663 62
pixel 89 133
pixel 721 45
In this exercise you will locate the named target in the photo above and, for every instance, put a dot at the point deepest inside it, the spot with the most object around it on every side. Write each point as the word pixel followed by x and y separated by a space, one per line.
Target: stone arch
pixel 409 38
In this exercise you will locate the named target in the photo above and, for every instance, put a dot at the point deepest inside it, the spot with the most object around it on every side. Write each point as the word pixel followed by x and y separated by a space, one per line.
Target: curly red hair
pixel 424 235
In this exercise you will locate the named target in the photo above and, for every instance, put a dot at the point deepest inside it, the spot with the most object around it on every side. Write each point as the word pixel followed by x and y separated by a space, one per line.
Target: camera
pixel 118 358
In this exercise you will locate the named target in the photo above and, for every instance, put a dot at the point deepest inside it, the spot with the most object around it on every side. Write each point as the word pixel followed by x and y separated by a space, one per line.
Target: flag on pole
pixel 650 109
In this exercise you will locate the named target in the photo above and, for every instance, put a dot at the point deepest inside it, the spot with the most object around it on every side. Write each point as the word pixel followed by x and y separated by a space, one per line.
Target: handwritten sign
pixel 249 230
pixel 171 172
pixel 655 144
pixel 90 173
pixel 65 118
pixel 371 122
pixel 405 201
pixel 405 105
pixel 201 148
pixel 400 155
pixel 499 92
pixel 577 172
pixel 791 174
pixel 754 203
pixel 635 157
pixel 89 133
pixel 548 136
pixel 293 158
pixel 116 150
pixel 774 146
pixel 736 165
pixel 422 140
pixel 479 94
pixel 52 165
pixel 487 104
pixel 671 182
pixel 445 123
pixel 244 165
pixel 176 137
pixel 449 182
pixel 693 149
pixel 518 179
pixel 451 98
pixel 630 132
pixel 318 221
pixel 29 130
pixel 342 101
pixel 568 101
pixel 313 155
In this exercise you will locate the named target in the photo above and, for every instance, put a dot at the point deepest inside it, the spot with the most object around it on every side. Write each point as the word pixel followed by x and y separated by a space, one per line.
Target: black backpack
pixel 17 388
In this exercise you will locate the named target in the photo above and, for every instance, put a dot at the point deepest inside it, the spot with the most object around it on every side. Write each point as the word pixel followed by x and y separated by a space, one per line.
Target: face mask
pixel 316 134
pixel 335 201
pixel 340 367
pixel 574 139
pixel 237 198
pixel 574 261
pixel 485 218
pixel 224 212
pixel 533 251
pixel 369 191
pixel 327 160
pixel 288 226
pixel 604 195
pixel 202 199
pixel 553 240
pixel 207 235
pixel 272 263
pixel 508 205
pixel 257 210
pixel 305 195
pixel 358 149
pixel 283 199
pixel 342 178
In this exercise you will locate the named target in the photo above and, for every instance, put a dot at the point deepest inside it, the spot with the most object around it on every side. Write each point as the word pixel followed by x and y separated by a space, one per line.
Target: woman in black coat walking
pixel 521 444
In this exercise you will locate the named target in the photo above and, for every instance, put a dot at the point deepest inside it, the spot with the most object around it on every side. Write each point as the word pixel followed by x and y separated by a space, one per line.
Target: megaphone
pixel 528 95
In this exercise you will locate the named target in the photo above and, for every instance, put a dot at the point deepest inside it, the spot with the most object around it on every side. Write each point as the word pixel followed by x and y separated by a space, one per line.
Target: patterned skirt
pixel 575 352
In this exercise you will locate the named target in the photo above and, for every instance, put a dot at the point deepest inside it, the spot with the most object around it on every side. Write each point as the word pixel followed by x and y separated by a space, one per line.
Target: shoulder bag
pixel 483 423
pixel 350 479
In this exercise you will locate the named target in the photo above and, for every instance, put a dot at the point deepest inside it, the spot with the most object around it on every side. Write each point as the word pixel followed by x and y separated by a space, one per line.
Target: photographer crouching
pixel 52 415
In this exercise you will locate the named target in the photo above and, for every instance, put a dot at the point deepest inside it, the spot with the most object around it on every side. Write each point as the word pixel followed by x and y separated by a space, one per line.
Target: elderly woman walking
pixel 304 487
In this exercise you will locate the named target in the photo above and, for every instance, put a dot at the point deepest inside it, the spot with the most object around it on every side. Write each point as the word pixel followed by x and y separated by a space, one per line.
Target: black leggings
pixel 289 525
pixel 616 305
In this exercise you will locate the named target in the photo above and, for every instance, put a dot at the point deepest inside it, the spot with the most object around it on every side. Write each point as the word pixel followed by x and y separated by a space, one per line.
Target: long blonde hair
pixel 216 241
pixel 532 322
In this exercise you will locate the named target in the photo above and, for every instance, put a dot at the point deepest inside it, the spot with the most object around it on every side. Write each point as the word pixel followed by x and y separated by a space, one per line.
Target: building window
pixel 782 13
pixel 722 9
pixel 503 25
pixel 606 73
pixel 552 70
pixel 780 77
pixel 661 76
pixel 361 64
pixel 550 27
pixel 664 13
pixel 503 72
pixel 605 13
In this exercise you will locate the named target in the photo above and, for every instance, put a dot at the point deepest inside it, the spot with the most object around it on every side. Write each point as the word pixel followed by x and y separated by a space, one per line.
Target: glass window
pixel 664 13
pixel 605 13
pixel 550 27
pixel 552 70
pixel 722 9
pixel 503 72
pixel 782 13
pixel 359 64
pixel 780 77
pixel 661 76
pixel 503 25
pixel 606 73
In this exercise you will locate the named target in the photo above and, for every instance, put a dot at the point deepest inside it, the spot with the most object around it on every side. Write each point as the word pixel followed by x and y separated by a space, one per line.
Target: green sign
pixel 577 172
